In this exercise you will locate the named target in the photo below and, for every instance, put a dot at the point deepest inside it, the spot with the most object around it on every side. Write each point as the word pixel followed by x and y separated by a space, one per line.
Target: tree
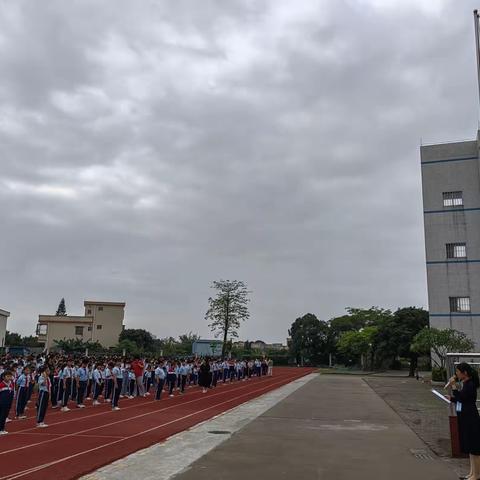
pixel 308 339
pixel 360 345
pixel 74 345
pixel 228 309
pixel 129 346
pixel 441 342
pixel 61 310
pixel 356 320
pixel 396 334
pixel 13 339
pixel 142 338
pixel 186 342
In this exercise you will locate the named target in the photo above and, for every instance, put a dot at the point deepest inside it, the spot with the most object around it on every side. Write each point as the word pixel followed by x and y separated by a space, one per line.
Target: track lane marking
pixel 13 476
pixel 62 436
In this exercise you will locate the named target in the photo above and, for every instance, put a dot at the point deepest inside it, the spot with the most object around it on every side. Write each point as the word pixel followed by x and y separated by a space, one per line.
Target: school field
pixel 83 440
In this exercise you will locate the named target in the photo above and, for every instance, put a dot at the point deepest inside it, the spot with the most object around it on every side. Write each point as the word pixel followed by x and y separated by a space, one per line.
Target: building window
pixel 100 309
pixel 99 327
pixel 89 312
pixel 78 330
pixel 89 329
pixel 42 329
pixel 459 304
pixel 456 250
pixel 453 199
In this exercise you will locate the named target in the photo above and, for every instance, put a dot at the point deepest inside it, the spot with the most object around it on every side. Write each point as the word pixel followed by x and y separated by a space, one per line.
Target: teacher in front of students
pixel 467 413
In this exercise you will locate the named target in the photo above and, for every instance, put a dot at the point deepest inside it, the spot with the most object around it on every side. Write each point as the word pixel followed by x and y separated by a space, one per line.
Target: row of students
pixel 65 379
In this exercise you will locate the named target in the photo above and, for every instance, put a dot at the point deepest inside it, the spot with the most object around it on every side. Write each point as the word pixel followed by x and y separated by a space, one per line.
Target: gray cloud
pixel 150 148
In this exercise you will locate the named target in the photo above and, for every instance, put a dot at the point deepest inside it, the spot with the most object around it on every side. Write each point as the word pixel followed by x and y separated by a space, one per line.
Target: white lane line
pixel 117 422
pixel 168 458
pixel 109 411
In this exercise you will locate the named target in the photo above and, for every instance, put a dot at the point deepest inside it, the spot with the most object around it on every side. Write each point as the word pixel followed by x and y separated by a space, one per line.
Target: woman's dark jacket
pixel 468 418
pixel 204 375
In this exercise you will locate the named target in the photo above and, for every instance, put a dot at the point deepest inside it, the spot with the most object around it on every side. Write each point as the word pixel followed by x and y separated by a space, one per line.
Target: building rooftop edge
pixel 65 318
pixel 4 313
pixel 91 302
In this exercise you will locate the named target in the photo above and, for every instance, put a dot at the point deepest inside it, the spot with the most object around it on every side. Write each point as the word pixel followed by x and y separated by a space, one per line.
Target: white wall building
pixel 3 326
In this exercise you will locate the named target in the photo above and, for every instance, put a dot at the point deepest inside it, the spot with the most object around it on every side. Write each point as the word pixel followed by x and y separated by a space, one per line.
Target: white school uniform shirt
pixel 67 373
pixel 107 373
pixel 160 373
pixel 97 376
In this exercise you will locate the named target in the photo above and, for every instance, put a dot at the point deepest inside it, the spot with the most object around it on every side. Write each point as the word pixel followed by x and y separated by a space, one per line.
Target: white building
pixel 3 326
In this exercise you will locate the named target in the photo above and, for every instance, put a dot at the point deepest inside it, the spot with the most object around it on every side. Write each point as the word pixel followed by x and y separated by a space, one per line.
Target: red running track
pixel 82 440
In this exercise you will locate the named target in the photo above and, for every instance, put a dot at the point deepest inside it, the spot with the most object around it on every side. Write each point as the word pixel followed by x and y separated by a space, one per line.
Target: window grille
pixel 459 304
pixel 456 250
pixel 453 199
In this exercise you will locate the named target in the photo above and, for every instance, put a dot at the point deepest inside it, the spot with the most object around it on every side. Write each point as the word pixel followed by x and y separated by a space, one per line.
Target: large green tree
pixel 396 334
pixel 227 309
pixel 308 339
pixel 356 320
pixel 359 345
pixel 142 338
pixel 441 342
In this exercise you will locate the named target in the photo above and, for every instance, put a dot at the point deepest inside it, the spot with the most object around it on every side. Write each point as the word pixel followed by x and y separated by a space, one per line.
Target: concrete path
pixel 333 428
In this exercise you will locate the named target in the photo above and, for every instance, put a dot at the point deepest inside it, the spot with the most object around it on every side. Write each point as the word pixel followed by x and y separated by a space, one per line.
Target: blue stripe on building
pixel 452 210
pixel 440 262
pixel 447 160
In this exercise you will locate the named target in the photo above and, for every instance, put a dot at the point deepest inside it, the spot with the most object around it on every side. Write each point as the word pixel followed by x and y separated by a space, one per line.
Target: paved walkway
pixel 333 428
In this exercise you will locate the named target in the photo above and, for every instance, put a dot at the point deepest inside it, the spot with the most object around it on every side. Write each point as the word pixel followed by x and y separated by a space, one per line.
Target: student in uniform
pixel 97 380
pixel 61 366
pixel 23 385
pixel 81 380
pixel 90 381
pixel 31 384
pixel 107 374
pixel 160 379
pixel 6 398
pixel 67 380
pixel 116 383
pixel 44 388
pixel 183 371
pixel 54 385
pixel 125 366
pixel 171 377
pixel 132 381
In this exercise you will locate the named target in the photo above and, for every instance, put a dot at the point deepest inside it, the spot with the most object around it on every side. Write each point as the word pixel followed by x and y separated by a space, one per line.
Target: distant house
pixel 102 322
pixel 204 348
pixel 3 326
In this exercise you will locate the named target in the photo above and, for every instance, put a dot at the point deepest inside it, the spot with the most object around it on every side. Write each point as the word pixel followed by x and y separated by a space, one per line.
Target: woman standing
pixel 204 378
pixel 467 413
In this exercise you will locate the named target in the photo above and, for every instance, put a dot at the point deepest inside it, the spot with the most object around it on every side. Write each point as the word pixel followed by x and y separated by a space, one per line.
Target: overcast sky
pixel 149 148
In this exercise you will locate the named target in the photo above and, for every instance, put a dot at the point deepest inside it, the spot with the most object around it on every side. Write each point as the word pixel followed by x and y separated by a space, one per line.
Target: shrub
pixel 439 374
